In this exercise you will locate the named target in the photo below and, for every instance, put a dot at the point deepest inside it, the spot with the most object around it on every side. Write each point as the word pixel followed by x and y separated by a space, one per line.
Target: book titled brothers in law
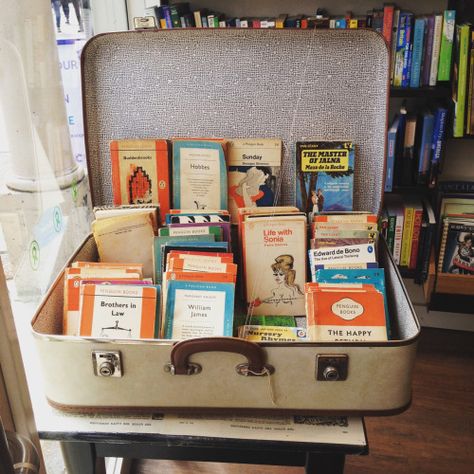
pixel 324 176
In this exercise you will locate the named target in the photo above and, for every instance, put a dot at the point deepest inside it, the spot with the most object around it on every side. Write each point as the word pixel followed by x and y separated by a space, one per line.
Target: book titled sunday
pixel 199 309
pixel 200 175
pixel 324 176
pixel 253 173
pixel 119 311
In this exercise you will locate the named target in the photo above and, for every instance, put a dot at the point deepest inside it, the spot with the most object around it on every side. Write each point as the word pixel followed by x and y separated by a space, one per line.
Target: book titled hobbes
pixel 140 173
pixel 274 254
pixel 324 176
pixel 253 173
pixel 199 175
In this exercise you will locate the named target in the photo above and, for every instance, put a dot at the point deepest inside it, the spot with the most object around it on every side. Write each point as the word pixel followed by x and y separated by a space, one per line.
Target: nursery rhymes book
pixel 324 176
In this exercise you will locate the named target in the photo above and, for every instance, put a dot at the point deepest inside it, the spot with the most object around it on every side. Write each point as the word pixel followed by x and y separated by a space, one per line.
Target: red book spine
pixel 415 239
pixel 388 13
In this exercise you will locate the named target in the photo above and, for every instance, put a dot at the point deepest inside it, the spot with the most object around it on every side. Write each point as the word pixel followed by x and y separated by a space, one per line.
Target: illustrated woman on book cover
pixel 252 188
pixel 463 259
pixel 286 289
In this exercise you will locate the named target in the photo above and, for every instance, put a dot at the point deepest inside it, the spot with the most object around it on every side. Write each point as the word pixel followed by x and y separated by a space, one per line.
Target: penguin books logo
pixel 347 309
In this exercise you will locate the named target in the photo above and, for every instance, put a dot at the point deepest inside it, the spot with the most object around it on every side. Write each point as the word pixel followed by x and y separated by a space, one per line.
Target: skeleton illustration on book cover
pixel 286 290
pixel 139 186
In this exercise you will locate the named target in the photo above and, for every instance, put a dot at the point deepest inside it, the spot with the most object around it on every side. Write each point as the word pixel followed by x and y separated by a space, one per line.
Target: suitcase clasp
pixel 107 363
pixel 331 367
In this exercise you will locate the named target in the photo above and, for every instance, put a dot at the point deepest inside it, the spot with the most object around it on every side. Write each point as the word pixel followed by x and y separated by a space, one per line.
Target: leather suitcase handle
pixel 183 350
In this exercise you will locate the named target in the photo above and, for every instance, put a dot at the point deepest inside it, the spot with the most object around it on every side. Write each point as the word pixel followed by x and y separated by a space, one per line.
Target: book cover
pixel 424 152
pixel 408 220
pixel 345 313
pixel 357 217
pixel 140 173
pixel 395 208
pixel 253 173
pixel 446 46
pixel 418 41
pixel 199 175
pixel 195 218
pixel 104 212
pixel 274 256
pixel 408 153
pixel 113 237
pixel 272 333
pixel 438 26
pixel 427 51
pixel 458 255
pixel 388 12
pixel 198 309
pixel 391 154
pixel 119 311
pixel 225 229
pixel 393 48
pixel 460 78
pixel 186 229
pixel 325 175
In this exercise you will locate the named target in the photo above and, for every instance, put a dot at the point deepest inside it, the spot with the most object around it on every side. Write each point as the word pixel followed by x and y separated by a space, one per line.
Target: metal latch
pixel 144 22
pixel 107 363
pixel 332 367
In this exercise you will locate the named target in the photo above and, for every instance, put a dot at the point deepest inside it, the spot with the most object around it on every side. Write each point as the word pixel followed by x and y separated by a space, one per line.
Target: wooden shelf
pixel 455 284
pixel 442 91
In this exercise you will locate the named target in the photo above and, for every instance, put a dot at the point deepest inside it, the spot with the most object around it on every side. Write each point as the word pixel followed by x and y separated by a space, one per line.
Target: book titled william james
pixel 140 173
pixel 325 176
pixel 274 250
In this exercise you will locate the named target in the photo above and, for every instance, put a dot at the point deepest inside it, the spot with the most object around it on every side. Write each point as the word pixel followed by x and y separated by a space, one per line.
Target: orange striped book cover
pixel 140 172
pixel 119 311
pixel 341 313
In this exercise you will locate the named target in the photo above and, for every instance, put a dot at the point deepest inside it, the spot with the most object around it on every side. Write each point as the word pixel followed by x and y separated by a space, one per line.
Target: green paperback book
pixel 460 78
pixel 445 52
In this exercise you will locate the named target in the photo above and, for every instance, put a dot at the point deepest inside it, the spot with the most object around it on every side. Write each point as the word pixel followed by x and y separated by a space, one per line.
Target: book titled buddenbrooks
pixel 119 311
pixel 325 175
pixel 199 175
pixel 253 173
pixel 140 172
pixel 274 252
pixel 199 309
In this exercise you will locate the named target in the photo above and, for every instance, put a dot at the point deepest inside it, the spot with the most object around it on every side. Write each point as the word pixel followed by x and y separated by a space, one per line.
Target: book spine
pixel 391 232
pixel 427 51
pixel 418 38
pixel 408 52
pixel 442 247
pixel 470 87
pixel 400 50
pixel 388 13
pixel 197 18
pixel 460 107
pixel 425 149
pixel 446 48
pixel 438 26
pixel 114 156
pixel 175 17
pixel 427 248
pixel 390 166
pixel 167 14
pixel 418 214
pixel 406 236
pixel 397 242
pixel 396 20
pixel 439 133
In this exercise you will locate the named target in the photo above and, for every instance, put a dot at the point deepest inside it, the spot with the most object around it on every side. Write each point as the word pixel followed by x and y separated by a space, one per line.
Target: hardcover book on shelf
pixel 428 229
pixel 274 264
pixel 140 173
pixel 199 309
pixel 199 175
pixel 439 137
pixel 446 47
pixel 393 48
pixel 119 311
pixel 325 175
pixel 253 173
pixel 395 210
pixel 408 158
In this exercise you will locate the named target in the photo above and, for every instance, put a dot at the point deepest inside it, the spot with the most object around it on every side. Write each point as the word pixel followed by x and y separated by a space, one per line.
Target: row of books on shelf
pixel 415 142
pixel 415 228
pixel 421 46
pixel 183 283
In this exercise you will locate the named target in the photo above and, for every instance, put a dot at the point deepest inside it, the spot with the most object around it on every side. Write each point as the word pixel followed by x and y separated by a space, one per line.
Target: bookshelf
pixel 418 97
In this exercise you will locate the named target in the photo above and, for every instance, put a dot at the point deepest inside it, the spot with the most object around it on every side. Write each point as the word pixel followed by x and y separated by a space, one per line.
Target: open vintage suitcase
pixel 293 84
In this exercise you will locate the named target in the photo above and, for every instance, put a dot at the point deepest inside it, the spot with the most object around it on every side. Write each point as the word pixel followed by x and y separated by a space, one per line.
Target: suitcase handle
pixel 183 350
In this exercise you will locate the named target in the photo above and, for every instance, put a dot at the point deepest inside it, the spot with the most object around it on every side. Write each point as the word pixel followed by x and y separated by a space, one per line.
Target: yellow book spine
pixel 407 236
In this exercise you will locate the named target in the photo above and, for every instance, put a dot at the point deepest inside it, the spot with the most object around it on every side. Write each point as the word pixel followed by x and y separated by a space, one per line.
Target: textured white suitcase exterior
pixel 292 84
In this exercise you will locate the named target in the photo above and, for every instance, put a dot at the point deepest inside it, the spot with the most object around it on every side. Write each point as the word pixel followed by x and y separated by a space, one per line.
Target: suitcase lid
pixel 287 83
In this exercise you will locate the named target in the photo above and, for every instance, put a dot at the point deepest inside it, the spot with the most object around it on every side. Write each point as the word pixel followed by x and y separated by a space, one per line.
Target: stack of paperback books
pixel 193 261
pixel 346 299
